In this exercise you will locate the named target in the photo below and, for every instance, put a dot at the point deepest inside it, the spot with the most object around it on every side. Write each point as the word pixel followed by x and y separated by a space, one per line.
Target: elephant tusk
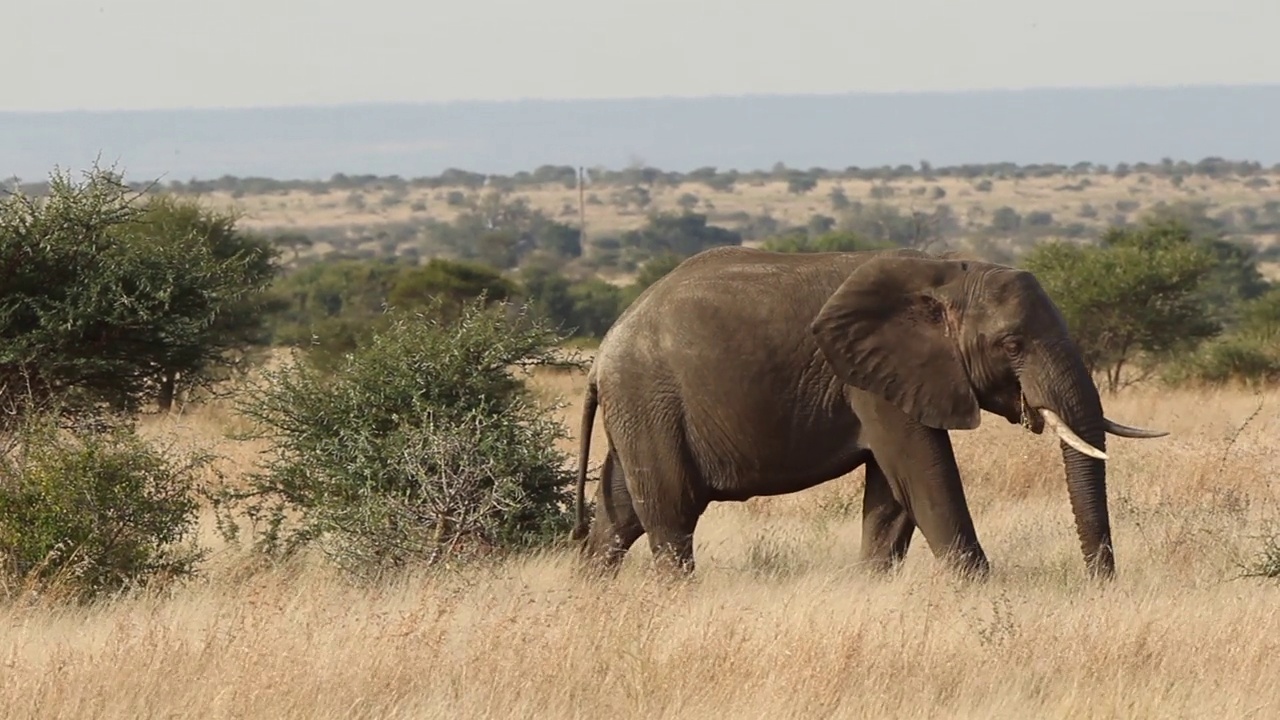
pixel 1070 437
pixel 1130 431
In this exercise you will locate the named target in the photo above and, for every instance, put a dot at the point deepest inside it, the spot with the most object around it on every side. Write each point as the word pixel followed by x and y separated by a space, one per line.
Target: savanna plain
pixel 778 620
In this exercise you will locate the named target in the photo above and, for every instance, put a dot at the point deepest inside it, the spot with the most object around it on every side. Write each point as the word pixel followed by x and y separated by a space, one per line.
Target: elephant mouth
pixel 1027 416
pixel 1034 419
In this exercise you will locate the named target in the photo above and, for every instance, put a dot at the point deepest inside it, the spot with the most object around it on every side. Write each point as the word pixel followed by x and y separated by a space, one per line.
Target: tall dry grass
pixel 777 622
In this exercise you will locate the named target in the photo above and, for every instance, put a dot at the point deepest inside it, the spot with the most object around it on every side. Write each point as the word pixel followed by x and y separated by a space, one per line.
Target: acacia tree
pixel 230 294
pixel 103 294
pixel 1138 292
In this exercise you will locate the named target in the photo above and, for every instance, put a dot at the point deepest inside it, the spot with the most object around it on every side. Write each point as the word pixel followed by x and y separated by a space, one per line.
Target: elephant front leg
pixel 921 467
pixel 887 527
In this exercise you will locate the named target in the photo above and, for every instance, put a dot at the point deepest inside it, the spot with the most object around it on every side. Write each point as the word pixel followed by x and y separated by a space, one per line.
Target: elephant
pixel 745 372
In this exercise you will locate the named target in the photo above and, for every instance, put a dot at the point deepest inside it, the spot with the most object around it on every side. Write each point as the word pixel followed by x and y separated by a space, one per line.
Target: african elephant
pixel 747 373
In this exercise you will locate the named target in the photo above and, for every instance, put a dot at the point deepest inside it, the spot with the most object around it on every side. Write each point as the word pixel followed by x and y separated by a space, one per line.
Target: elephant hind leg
pixel 887 526
pixel 672 548
pixel 669 509
pixel 616 527
pixel 666 498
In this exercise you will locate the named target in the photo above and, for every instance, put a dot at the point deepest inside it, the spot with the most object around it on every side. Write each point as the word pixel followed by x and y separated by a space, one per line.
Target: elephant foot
pixel 672 552
pixel 881 566
pixel 588 570
pixel 600 554
pixel 971 565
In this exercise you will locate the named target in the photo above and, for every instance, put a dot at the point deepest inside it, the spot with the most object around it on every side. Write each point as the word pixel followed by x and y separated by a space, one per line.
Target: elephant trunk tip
pixel 1102 564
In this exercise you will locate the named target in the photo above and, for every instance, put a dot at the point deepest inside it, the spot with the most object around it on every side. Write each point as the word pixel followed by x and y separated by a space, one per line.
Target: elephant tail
pixel 589 405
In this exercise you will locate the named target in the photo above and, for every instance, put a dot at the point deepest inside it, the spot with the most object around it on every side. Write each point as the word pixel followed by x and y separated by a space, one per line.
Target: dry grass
pixel 302 209
pixel 778 621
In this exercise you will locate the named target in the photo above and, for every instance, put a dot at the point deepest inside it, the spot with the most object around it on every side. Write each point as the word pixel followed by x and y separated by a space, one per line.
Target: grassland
pixel 303 210
pixel 778 622
pixel 1093 200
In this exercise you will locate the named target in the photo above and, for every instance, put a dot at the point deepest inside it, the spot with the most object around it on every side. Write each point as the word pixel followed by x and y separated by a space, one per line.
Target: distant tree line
pixel 644 176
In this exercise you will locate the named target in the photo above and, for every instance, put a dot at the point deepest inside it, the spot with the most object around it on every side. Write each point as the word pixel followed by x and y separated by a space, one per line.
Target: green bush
pixel 421 446
pixel 93 512
pixel 833 241
pixel 109 302
pixel 1236 358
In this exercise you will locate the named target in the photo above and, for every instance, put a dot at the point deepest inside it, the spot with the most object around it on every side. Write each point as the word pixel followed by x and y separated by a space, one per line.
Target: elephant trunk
pixel 1064 392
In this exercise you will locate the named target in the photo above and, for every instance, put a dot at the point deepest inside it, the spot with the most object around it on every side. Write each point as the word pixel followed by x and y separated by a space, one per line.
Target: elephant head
pixel 943 339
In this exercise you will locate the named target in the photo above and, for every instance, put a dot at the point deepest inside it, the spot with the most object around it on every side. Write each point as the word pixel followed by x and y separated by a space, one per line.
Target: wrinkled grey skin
pixel 745 373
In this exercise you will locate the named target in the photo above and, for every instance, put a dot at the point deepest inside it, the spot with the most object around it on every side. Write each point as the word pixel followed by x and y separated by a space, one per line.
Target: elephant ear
pixel 888 330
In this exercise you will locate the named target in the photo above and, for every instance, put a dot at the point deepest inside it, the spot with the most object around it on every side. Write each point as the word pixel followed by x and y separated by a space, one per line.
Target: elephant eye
pixel 1012 345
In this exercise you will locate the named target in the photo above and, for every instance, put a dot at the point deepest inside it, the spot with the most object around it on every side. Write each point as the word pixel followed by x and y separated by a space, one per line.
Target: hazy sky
pixel 106 54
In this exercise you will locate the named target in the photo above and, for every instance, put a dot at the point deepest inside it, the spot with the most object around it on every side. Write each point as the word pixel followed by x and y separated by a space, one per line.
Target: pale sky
pixel 110 54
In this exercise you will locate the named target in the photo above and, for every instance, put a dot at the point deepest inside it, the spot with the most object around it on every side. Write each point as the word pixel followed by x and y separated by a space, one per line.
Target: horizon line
pixel 480 101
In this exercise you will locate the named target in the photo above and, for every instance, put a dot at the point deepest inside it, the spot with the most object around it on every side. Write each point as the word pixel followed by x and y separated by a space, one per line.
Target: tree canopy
pixel 1139 291
pixel 103 295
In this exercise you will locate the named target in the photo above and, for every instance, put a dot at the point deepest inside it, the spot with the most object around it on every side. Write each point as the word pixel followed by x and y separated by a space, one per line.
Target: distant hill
pixel 680 134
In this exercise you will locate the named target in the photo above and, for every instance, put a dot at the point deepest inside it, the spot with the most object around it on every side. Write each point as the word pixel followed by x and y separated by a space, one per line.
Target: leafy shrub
pixel 835 241
pixel 95 512
pixel 107 302
pixel 421 446
pixel 1238 358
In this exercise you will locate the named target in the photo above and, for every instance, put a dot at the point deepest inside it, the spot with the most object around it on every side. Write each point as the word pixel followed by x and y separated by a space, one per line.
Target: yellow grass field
pixel 302 209
pixel 1065 196
pixel 778 622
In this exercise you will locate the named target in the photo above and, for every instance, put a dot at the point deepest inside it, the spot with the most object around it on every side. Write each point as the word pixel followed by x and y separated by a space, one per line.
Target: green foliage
pixel 103 297
pixel 331 306
pixel 96 512
pixel 1259 317
pixel 1234 281
pixel 421 446
pixel 583 309
pixel 1249 353
pixel 237 311
pixel 502 232
pixel 1138 292
pixel 839 200
pixel 654 270
pixel 837 241
pixel 446 285
pixel 799 183
pixel 886 224
pixel 1233 358
pixel 596 305
pixel 1006 220
pixel 684 235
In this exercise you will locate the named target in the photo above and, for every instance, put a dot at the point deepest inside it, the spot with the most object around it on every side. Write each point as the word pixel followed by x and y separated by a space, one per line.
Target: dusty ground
pixel 779 621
